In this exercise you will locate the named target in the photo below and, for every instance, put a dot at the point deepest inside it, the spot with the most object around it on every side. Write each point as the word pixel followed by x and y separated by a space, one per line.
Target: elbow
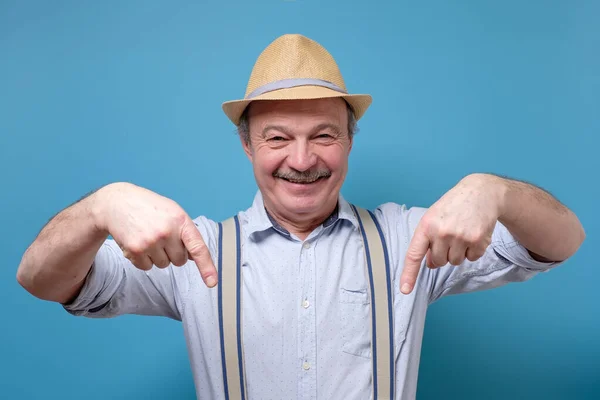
pixel 21 277
pixel 25 277
pixel 23 272
pixel 28 277
pixel 31 282
pixel 581 238
pixel 565 246
pixel 39 284
pixel 577 239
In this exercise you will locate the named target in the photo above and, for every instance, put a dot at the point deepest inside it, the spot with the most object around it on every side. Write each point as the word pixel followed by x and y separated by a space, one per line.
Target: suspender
pixel 230 307
pixel 378 270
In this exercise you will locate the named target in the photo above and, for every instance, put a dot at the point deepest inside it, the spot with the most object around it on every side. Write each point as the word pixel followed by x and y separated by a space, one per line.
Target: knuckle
pixel 456 261
pixel 475 253
pixel 140 246
pixel 472 257
pixel 424 223
pixel 205 274
pixel 445 232
pixel 136 249
pixel 179 261
pixel 413 257
pixel 198 249
pixel 178 256
pixel 474 237
pixel 189 235
pixel 178 216
pixel 162 234
pixel 425 227
pixel 162 263
pixel 438 262
pixel 139 264
pixel 486 243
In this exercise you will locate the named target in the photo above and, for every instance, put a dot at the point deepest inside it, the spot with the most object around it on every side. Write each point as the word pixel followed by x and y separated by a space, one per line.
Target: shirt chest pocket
pixel 355 321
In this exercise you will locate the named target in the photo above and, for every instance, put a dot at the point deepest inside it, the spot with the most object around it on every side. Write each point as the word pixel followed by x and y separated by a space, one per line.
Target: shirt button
pixel 306 245
pixel 306 366
pixel 305 304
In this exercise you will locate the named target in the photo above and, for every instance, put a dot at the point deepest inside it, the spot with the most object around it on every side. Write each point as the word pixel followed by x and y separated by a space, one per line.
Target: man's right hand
pixel 151 229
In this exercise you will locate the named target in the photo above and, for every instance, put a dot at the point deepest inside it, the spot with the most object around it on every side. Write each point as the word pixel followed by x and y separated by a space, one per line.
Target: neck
pixel 301 225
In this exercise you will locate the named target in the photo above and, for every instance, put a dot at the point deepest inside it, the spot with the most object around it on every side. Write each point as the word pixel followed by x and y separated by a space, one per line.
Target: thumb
pixel 417 250
pixel 198 251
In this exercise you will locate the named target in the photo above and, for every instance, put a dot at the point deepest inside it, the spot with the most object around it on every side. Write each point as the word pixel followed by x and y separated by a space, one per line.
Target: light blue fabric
pixel 306 309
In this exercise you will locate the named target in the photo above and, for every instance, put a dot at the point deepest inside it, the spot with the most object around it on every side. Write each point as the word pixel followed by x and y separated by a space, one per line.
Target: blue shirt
pixel 306 327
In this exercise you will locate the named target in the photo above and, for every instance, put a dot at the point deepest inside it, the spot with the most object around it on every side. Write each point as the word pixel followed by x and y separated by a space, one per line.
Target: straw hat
pixel 295 67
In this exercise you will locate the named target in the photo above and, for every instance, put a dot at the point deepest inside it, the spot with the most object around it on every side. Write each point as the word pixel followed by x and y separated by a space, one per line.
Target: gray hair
pixel 243 128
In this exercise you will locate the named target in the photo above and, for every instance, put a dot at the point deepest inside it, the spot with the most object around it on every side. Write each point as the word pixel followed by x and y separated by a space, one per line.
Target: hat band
pixel 293 82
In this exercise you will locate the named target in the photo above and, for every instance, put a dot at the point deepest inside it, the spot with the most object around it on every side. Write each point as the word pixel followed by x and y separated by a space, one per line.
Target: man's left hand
pixel 458 226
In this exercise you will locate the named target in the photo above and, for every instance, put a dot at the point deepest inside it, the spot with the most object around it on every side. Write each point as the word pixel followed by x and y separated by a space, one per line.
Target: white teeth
pixel 295 181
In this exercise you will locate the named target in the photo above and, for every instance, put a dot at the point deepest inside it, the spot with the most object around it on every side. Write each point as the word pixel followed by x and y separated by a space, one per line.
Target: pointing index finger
pixel 198 252
pixel 417 250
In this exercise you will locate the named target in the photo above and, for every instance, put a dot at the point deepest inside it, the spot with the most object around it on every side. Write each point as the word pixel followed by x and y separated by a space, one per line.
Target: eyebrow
pixel 321 127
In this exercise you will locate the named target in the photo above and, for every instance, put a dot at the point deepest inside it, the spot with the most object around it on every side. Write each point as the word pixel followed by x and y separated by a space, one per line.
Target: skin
pixel 291 142
pixel 299 140
pixel 149 229
pixel 286 136
pixel 459 225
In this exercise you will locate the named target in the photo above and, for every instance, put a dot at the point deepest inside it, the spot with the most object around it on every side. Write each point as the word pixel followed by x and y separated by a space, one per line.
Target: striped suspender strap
pixel 230 310
pixel 380 282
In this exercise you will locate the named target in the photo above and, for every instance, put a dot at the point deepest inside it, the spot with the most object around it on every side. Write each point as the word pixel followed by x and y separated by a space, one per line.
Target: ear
pixel 247 148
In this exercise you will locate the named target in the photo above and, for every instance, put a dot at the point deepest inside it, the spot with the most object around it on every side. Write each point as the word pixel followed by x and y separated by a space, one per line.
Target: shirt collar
pixel 259 220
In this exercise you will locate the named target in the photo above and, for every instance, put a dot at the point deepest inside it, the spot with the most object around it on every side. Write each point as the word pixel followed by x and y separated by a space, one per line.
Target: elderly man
pixel 305 322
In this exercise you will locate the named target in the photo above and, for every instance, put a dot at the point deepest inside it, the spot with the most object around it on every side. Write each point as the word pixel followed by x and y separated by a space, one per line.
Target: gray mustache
pixel 304 176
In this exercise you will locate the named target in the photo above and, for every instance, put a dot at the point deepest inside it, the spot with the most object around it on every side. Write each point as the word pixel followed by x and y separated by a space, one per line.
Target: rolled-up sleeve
pixel 506 246
pixel 115 287
pixel 505 260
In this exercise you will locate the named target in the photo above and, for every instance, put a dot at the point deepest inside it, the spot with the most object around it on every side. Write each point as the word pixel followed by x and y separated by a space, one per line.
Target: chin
pixel 310 202
pixel 303 205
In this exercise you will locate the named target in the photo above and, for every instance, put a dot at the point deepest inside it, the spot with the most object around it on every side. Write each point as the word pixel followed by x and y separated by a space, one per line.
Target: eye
pixel 324 136
pixel 276 139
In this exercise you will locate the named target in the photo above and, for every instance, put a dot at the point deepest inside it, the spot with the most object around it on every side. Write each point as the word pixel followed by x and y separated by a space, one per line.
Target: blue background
pixel 93 92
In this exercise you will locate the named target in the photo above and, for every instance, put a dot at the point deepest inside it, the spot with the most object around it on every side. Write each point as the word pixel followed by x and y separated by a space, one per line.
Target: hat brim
pixel 359 102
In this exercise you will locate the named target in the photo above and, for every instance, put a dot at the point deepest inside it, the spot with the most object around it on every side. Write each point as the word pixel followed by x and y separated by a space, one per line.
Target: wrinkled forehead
pixel 298 115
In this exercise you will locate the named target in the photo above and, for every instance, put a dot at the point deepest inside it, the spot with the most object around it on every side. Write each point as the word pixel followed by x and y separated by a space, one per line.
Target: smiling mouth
pixel 302 181
pixel 303 177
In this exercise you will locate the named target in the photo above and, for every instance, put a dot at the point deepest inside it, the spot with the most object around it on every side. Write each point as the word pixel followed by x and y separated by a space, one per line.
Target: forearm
pixel 544 226
pixel 54 267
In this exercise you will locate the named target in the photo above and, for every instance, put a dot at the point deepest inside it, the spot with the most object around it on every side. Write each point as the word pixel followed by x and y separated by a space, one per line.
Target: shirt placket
pixel 307 323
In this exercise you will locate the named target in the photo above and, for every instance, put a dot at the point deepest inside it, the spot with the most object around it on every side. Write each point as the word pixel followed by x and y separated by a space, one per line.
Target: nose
pixel 301 156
